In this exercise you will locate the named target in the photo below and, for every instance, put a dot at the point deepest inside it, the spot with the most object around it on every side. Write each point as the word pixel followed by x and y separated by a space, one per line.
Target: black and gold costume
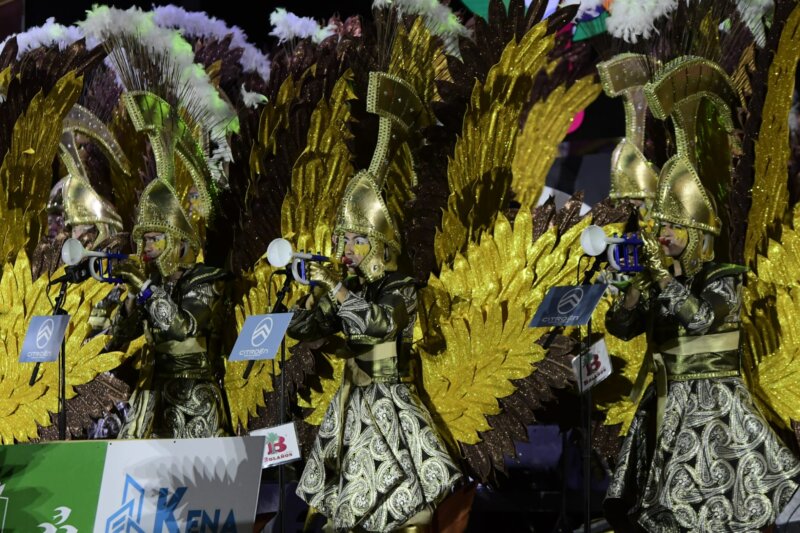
pixel 377 460
pixel 178 394
pixel 699 455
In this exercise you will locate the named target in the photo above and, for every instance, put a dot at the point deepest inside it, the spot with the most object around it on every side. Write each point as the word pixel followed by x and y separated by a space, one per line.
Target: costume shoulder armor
pixel 714 271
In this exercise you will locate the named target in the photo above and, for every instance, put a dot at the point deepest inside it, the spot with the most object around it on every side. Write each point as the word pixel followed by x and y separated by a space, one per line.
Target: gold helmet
pixel 682 200
pixel 160 211
pixel 690 90
pixel 632 175
pixel 83 206
pixel 363 209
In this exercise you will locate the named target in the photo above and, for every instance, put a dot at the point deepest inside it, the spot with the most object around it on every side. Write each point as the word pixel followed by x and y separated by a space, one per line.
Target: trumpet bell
pixel 72 252
pixel 593 240
pixel 279 253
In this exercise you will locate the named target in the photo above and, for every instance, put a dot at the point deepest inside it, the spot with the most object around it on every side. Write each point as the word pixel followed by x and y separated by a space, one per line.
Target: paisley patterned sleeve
pixel 180 322
pixel 366 322
pixel 700 315
pixel 316 323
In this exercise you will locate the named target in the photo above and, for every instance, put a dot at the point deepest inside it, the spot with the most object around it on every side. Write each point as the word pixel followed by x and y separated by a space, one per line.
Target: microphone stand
pixel 62 366
pixel 279 307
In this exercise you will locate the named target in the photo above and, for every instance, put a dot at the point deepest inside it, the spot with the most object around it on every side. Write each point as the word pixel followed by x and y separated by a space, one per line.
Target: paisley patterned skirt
pixel 716 464
pixel 384 466
pixel 176 408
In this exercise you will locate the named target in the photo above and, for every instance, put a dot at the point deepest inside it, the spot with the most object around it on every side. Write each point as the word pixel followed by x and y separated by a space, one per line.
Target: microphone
pixel 622 252
pixel 74 274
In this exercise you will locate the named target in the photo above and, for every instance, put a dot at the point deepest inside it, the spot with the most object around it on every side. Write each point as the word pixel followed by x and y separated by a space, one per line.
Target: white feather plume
pixel 200 24
pixel 631 20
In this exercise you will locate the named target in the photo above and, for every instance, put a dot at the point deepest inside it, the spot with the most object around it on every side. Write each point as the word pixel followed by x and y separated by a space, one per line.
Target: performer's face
pixel 86 233
pixel 356 246
pixel 153 245
pixel 673 239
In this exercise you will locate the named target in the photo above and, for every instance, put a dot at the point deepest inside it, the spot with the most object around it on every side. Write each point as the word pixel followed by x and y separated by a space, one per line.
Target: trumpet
pixel 622 252
pixel 280 253
pixel 73 253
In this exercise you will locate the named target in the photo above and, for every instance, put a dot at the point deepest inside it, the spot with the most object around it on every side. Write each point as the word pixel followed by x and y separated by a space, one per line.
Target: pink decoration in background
pixel 577 120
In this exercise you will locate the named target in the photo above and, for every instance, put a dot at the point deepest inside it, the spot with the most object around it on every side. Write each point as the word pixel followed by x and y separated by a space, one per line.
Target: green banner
pixel 49 488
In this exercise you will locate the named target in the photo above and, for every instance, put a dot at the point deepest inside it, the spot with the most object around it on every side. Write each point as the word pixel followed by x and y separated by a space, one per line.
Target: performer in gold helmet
pixel 699 456
pixel 378 462
pixel 176 303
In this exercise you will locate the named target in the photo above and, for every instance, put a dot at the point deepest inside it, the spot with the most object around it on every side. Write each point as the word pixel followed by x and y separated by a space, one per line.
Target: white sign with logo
pixel 592 367
pixel 43 339
pixel 260 337
pixel 281 444
pixel 180 485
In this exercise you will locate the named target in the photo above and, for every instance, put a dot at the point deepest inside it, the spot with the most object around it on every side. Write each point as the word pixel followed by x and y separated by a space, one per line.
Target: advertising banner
pixel 133 486
pixel 50 487
pixel 180 485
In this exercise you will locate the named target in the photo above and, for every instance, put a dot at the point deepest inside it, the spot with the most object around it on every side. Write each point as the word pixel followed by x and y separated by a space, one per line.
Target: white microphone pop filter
pixel 279 253
pixel 593 240
pixel 72 252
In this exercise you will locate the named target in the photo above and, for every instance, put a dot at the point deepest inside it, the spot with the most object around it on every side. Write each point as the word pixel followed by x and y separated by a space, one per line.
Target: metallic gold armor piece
pixel 632 175
pixel 83 206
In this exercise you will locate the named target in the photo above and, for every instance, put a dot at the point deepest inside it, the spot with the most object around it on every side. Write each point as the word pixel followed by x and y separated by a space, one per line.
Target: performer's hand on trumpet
pixel 655 260
pixel 132 274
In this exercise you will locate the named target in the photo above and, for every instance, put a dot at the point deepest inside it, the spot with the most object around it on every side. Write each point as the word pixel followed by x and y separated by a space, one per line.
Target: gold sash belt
pixel 686 358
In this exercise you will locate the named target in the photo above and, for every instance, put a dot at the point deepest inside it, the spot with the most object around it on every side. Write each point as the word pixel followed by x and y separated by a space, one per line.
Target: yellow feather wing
pixel 772 338
pixel 318 179
pixel 770 194
pixel 22 407
pixel 475 317
pixel 546 124
pixel 27 168
pixel 481 167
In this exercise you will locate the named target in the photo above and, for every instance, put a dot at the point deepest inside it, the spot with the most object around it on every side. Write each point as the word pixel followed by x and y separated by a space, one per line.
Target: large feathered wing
pixel 772 339
pixel 480 172
pixel 26 170
pixel 548 119
pixel 478 352
pixel 772 249
pixel 23 407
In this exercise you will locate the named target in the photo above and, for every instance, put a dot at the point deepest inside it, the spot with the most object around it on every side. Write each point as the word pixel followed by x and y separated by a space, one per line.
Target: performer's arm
pixel 627 317
pixel 126 325
pixel 179 322
pixel 699 315
pixel 314 321
pixel 368 322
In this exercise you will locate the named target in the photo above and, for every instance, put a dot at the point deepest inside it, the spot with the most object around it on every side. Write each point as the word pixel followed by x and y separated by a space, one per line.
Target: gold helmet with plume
pixel 632 175
pixel 695 92
pixel 363 209
pixel 160 209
